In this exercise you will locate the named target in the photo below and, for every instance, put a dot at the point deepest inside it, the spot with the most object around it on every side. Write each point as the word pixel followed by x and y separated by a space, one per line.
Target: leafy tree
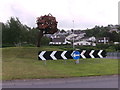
pixel 114 37
pixel 14 32
pixel 45 40
pixel 103 32
pixel 46 24
pixel 32 35
pixel 5 33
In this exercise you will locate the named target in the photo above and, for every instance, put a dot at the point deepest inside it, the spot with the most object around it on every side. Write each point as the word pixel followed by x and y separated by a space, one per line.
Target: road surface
pixel 75 82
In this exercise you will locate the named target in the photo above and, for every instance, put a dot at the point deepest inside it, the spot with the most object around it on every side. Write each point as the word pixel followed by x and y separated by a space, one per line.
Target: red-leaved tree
pixel 46 24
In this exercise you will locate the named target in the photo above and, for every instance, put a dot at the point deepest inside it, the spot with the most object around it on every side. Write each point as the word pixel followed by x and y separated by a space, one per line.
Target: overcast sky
pixel 85 13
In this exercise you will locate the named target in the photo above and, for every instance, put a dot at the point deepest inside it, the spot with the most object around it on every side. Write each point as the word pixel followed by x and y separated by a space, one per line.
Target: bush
pixel 28 45
pixel 45 41
pixel 103 46
pixel 8 45
pixel 86 47
pixel 117 47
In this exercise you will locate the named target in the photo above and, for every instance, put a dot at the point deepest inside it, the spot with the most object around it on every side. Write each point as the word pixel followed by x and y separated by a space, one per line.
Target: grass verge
pixel 22 63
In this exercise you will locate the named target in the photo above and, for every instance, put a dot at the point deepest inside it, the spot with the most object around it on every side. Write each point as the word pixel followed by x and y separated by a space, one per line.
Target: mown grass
pixel 22 63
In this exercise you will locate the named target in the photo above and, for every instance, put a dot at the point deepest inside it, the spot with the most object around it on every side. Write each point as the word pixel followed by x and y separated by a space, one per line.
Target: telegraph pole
pixel 73 36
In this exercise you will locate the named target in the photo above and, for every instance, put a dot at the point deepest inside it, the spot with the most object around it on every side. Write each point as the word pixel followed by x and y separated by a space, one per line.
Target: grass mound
pixel 22 63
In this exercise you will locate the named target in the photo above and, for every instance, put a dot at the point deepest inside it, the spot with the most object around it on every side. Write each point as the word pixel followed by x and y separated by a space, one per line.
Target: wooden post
pixel 77 61
pixel 64 61
pixel 44 62
pixel 40 35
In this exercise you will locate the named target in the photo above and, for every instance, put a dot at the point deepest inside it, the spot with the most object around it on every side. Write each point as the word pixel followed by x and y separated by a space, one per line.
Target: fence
pixel 113 55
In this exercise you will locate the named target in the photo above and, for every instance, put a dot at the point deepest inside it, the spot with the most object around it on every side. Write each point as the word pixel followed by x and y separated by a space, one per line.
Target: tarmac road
pixel 76 82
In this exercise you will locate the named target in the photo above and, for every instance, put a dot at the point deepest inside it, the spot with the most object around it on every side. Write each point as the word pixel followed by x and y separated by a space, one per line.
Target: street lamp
pixel 73 36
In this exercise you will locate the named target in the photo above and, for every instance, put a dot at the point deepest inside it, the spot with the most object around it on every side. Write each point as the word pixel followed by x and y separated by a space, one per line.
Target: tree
pixel 14 32
pixel 11 31
pixel 45 40
pixel 5 33
pixel 32 35
pixel 114 37
pixel 46 24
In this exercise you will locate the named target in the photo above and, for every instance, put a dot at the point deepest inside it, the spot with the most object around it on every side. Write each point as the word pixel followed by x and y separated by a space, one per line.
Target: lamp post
pixel 73 36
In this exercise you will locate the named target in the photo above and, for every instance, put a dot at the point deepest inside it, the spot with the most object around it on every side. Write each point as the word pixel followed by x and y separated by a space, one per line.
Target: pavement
pixel 75 82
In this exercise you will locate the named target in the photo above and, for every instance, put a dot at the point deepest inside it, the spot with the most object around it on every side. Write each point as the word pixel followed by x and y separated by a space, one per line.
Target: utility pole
pixel 104 40
pixel 73 36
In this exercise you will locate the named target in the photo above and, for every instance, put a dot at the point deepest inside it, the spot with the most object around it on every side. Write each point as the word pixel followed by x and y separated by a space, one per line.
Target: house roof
pixel 77 31
pixel 58 39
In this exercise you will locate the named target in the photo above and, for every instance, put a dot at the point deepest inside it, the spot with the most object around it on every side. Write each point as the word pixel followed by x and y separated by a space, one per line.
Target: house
pixel 76 37
pixel 116 43
pixel 77 31
pixel 71 36
pixel 103 40
pixel 89 39
pixel 74 31
pixel 59 40
pixel 93 39
pixel 86 43
pixel 114 30
pixel 58 35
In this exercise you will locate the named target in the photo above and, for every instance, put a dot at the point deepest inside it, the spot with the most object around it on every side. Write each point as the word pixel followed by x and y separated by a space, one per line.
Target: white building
pixel 116 43
pixel 93 39
pixel 84 43
pixel 75 36
pixel 59 41
pixel 103 40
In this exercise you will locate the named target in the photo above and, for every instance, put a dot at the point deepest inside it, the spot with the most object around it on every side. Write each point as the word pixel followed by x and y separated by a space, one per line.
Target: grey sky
pixel 85 13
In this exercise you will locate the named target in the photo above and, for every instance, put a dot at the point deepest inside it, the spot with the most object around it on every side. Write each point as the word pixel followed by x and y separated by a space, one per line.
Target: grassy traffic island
pixel 23 63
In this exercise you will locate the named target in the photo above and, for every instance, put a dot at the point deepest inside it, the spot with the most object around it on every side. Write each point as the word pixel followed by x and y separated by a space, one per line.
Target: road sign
pixel 56 55
pixel 76 55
